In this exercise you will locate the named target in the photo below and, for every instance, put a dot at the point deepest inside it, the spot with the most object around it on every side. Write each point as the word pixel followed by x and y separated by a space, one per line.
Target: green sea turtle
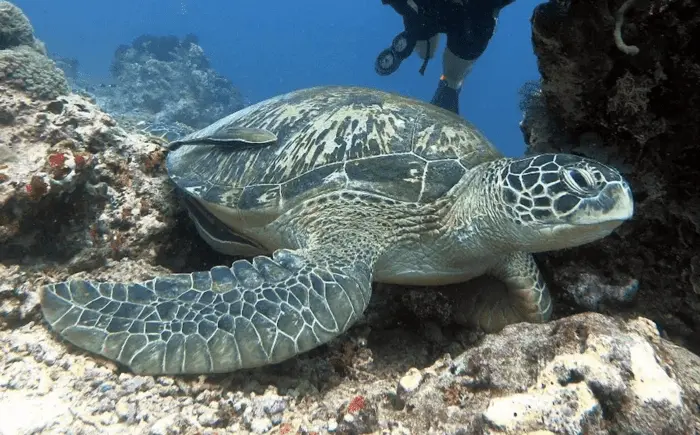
pixel 330 189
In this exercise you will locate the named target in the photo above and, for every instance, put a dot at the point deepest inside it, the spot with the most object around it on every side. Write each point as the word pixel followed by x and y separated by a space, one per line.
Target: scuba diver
pixel 469 26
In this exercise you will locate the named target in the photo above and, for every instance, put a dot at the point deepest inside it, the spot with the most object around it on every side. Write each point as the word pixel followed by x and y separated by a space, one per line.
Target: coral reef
pixel 166 85
pixel 23 60
pixel 28 69
pixel 82 195
pixel 15 28
pixel 639 109
pixel 70 147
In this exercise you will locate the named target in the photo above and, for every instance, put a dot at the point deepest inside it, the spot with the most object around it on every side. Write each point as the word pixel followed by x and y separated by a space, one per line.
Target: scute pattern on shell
pixel 330 138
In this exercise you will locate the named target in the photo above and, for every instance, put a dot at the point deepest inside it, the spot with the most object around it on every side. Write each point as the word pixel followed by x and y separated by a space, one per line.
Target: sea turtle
pixel 329 189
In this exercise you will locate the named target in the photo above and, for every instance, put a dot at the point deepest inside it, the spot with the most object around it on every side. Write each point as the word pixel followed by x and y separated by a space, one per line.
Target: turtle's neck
pixel 477 220
pixel 449 240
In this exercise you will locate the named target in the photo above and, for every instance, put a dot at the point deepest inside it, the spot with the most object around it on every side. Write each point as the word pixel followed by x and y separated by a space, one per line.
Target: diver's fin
pixel 446 97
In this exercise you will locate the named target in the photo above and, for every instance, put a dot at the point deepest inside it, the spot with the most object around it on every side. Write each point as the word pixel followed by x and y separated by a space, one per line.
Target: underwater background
pixel 268 48
pixel 84 194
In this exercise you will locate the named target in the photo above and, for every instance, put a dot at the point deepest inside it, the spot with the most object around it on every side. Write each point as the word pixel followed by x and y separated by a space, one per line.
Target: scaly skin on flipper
pixel 252 314
pixel 526 297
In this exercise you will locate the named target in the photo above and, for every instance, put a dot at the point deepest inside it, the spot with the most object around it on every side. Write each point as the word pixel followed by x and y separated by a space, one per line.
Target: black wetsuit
pixel 469 26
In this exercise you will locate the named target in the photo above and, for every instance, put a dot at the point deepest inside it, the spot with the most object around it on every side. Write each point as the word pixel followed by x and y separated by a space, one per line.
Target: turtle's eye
pixel 579 180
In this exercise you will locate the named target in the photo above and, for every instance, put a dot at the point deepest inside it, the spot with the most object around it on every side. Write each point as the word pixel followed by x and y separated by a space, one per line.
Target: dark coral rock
pixel 633 101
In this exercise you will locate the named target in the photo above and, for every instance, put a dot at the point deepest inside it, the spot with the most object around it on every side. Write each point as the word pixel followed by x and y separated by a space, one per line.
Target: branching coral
pixel 631 95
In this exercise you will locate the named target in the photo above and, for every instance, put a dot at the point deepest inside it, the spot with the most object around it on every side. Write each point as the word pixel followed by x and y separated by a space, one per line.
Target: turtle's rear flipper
pixel 251 314
pixel 520 296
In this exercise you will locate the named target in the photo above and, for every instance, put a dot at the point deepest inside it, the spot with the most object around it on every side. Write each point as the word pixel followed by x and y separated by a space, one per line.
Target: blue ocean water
pixel 271 47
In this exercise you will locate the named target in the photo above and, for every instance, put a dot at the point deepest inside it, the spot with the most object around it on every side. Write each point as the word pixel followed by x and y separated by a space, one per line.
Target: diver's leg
pixel 455 69
pixel 466 42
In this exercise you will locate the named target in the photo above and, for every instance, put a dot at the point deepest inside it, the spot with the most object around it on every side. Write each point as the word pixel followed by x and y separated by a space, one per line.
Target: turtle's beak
pixel 612 206
pixel 595 218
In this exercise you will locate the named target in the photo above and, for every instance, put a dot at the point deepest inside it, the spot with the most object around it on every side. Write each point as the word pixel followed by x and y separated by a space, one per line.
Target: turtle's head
pixel 557 201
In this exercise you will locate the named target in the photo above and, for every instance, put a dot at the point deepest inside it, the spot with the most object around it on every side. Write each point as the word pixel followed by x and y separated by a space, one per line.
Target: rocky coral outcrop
pixel 77 193
pixel 621 83
pixel 584 374
pixel 23 60
pixel 167 85
pixel 28 69
pixel 15 28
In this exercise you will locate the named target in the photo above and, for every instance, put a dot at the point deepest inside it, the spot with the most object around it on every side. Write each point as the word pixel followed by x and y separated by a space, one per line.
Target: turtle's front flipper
pixel 252 314
pixel 524 299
